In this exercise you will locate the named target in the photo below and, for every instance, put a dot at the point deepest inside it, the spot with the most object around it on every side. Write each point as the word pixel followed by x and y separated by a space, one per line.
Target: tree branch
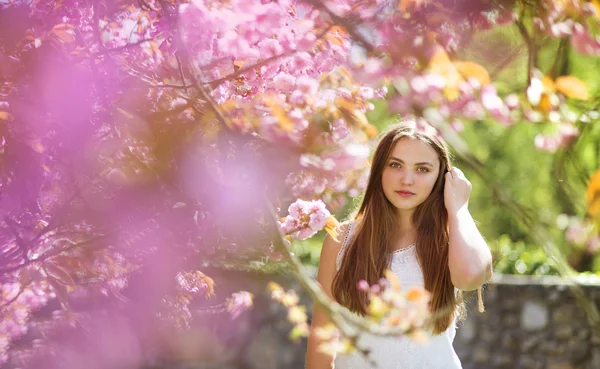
pixel 530 49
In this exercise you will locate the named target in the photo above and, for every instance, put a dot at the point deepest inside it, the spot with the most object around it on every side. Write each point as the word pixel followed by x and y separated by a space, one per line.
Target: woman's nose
pixel 407 177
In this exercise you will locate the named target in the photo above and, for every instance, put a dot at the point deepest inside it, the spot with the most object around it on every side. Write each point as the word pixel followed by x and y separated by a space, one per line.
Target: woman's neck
pixel 405 222
pixel 406 230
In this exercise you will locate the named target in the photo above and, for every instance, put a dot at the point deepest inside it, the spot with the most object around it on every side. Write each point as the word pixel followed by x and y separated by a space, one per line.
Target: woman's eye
pixel 395 165
pixel 423 170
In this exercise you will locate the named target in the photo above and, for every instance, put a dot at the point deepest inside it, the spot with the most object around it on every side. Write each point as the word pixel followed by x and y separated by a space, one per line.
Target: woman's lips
pixel 405 193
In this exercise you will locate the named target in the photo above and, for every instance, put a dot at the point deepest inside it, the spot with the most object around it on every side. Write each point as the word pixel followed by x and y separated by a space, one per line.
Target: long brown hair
pixel 367 255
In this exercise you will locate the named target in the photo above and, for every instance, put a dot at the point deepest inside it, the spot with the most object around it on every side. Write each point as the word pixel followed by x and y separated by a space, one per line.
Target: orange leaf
pixel 4 115
pixel 549 86
pixel 371 131
pixel 440 62
pixel 238 64
pixel 331 227
pixel 572 87
pixel 336 35
pixel 65 35
pixel 278 112
pixel 592 195
pixel 410 5
pixel 59 273
pixel 473 70
pixel 415 294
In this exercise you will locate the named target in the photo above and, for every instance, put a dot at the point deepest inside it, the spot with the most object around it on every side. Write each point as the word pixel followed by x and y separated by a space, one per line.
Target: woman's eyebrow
pixel 421 163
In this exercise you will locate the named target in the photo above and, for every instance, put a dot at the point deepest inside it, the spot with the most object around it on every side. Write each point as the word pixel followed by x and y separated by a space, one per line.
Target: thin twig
pixel 530 49
pixel 122 47
pixel 505 62
pixel 344 23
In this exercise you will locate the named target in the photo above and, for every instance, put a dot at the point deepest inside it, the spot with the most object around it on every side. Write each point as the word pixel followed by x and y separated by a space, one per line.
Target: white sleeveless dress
pixel 401 353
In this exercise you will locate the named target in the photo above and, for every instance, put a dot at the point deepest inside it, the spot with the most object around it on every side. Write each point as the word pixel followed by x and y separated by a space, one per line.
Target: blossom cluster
pixel 393 305
pixel 306 218
pixel 296 312
pixel 571 19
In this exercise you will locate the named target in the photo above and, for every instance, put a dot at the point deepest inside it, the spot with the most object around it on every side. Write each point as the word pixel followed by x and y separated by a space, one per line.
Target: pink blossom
pixel 307 217
pixel 284 81
pixel 307 85
pixel 318 219
pixel 546 143
pixel 362 285
pixel 307 41
pixel 239 302
pixel 583 42
pixel 269 47
pixel 301 62
pixel 593 244
pixel 366 92
pixel 576 233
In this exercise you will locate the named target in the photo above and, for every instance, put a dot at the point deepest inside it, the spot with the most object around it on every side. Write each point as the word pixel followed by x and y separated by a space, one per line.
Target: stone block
pixel 561 365
pixel 534 316
pixel 564 333
pixel 528 362
pixel 481 355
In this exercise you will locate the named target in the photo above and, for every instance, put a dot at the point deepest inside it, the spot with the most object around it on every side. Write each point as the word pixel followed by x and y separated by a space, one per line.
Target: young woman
pixel 413 220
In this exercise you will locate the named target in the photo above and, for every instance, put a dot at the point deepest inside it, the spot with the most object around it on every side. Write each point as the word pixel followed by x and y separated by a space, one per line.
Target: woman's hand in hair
pixel 457 190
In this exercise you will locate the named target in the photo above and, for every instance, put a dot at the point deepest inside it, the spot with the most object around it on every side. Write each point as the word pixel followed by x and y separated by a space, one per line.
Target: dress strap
pixel 340 255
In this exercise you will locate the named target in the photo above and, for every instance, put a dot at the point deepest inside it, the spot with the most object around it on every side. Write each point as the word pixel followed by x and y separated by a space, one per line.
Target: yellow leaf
pixel 371 131
pixel 572 87
pixel 4 115
pixel 377 308
pixel 331 227
pixel 393 279
pixel 596 4
pixel 278 112
pixel 473 70
pixel 273 286
pixel 441 64
pixel 592 195
pixel 549 86
pixel 451 92
pixel 545 105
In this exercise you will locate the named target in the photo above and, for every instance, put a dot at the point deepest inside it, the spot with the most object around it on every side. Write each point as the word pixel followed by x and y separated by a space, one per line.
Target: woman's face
pixel 410 173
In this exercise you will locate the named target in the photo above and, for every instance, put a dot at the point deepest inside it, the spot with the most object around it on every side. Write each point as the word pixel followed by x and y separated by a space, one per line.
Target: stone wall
pixel 528 324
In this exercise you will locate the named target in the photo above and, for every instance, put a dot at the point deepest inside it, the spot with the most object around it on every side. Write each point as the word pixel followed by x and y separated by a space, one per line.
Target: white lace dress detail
pixel 401 353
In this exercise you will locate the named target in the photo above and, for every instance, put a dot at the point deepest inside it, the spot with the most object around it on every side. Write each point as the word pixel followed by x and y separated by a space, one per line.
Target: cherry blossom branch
pixel 310 285
pixel 215 83
pixel 50 254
